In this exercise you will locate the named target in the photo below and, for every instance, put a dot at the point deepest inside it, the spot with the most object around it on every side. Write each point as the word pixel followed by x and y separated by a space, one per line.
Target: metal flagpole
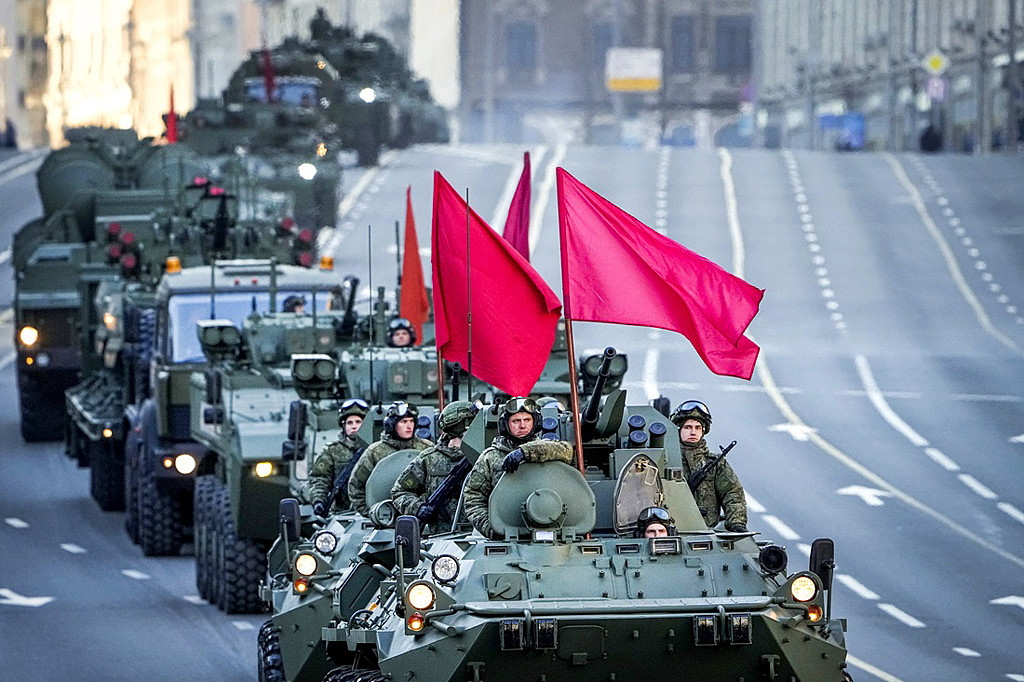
pixel 469 311
pixel 574 391
pixel 373 326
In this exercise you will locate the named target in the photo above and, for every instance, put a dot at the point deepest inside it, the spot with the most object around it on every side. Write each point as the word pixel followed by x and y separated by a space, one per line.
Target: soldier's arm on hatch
pixel 730 492
pixel 408 491
pixel 321 477
pixel 548 451
pixel 476 494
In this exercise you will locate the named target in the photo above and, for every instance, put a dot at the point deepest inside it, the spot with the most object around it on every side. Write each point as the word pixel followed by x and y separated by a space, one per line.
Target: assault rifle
pixel 451 484
pixel 341 480
pixel 698 476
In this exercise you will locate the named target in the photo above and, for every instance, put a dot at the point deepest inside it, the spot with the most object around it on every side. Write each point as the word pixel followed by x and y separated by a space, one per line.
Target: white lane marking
pixel 135 575
pixel 243 625
pixel 500 215
pixel 753 505
pixel 964 651
pixel 1015 677
pixel 732 213
pixel 1017 439
pixel 804 548
pixel 651 373
pixel 12 598
pixel 947 255
pixel 194 599
pixel 878 400
pixel 1015 513
pixel 7 315
pixel 798 433
pixel 1010 600
pixel 5 255
pixel 8 360
pixel 781 528
pixel 544 193
pixel 72 549
pixel 871 496
pixel 871 670
pixel 19 171
pixel 856 586
pixel 977 486
pixel 901 616
pixel 942 460
pixel 14 522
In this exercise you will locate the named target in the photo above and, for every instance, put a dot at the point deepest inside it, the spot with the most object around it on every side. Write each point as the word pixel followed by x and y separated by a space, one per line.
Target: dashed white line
pixel 1013 512
pixel 781 528
pixel 135 575
pixel 194 599
pixel 878 400
pixel 1015 677
pixel 977 486
pixel 753 505
pixel 15 522
pixel 73 549
pixel 243 625
pixel 651 373
pixel 942 460
pixel 856 586
pixel 901 616
pixel 964 651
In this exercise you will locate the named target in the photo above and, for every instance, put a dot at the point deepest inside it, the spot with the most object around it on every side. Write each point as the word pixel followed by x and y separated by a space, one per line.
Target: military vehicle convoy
pixel 567 588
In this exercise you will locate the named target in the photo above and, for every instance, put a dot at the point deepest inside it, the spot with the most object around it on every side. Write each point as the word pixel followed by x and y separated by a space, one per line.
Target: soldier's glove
pixel 736 528
pixel 426 512
pixel 513 460
pixel 320 508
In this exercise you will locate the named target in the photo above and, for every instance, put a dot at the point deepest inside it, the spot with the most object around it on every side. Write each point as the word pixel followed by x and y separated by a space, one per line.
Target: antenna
pixel 213 289
pixel 398 255
pixel 369 264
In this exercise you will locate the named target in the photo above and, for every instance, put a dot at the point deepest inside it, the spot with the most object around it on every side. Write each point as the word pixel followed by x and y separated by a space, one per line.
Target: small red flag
pixel 517 225
pixel 413 305
pixel 616 269
pixel 268 76
pixel 515 314
pixel 172 121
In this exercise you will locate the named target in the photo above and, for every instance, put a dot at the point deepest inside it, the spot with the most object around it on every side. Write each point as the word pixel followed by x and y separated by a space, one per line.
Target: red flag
pixel 172 121
pixel 268 76
pixel 414 305
pixel 515 314
pixel 616 269
pixel 517 225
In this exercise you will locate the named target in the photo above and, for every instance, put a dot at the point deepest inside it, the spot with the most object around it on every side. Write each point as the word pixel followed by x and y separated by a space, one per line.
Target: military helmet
pixel 456 417
pixel 514 406
pixel 292 302
pixel 655 515
pixel 349 407
pixel 401 323
pixel 692 409
pixel 398 411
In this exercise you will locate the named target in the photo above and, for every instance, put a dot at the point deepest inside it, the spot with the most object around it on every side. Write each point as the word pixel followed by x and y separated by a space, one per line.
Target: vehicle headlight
pixel 420 596
pixel 368 95
pixel 445 568
pixel 325 542
pixel 305 564
pixel 307 171
pixel 185 464
pixel 803 589
pixel 264 469
pixel 28 335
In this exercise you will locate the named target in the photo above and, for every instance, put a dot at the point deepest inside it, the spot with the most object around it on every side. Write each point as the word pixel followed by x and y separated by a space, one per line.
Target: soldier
pixel 401 333
pixel 294 304
pixel 654 522
pixel 429 470
pixel 399 427
pixel 719 496
pixel 334 464
pixel 517 441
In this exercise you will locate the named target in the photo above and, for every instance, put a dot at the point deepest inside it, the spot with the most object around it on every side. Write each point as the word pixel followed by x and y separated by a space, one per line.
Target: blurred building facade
pixel 535 69
pixel 878 73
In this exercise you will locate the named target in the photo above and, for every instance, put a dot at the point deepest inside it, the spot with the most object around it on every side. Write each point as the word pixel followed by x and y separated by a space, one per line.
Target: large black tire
pixel 161 531
pixel 270 665
pixel 106 475
pixel 203 531
pixel 241 564
pixel 43 413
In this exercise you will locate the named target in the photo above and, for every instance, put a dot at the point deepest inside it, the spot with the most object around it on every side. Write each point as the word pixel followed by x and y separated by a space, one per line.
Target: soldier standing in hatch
pixel 719 496
pixel 517 441
pixel 335 459
pixel 399 430
pixel 426 473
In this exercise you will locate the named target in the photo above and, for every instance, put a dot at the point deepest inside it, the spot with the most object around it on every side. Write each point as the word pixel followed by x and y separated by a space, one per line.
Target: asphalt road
pixel 885 411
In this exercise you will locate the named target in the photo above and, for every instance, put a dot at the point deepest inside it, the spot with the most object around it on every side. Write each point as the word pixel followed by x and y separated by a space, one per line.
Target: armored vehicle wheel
pixel 106 475
pixel 241 564
pixel 160 525
pixel 202 523
pixel 43 414
pixel 270 664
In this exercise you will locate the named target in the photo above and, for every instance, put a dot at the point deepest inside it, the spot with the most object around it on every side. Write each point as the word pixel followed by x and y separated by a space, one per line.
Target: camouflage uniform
pixel 332 461
pixel 487 471
pixel 421 478
pixel 720 489
pixel 372 456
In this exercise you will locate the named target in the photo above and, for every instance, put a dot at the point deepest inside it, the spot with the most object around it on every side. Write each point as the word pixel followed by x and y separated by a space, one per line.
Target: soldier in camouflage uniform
pixel 426 473
pixel 719 496
pixel 399 430
pixel 335 458
pixel 517 441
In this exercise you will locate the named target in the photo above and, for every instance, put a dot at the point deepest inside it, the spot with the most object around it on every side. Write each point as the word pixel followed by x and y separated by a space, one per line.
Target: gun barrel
pixel 456 379
pixel 590 412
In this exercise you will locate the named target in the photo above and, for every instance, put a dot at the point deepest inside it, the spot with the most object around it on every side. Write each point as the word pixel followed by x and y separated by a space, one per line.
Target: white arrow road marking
pixel 872 496
pixel 1011 600
pixel 135 575
pixel 1017 514
pixel 243 625
pixel 856 586
pixel 781 528
pixel 15 523
pixel 901 616
pixel 800 432
pixel 194 599
pixel 964 651
pixel 72 549
pixel 12 598
pixel 1018 439
pixel 976 485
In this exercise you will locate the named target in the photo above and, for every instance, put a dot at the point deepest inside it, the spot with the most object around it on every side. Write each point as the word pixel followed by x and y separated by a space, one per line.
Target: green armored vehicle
pixel 89 190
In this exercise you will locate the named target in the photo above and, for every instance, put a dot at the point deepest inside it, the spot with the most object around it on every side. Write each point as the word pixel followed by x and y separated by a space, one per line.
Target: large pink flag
pixel 413 304
pixel 517 225
pixel 616 269
pixel 514 313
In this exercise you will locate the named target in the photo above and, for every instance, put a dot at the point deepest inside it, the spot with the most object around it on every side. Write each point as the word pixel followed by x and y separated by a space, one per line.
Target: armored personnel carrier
pixel 566 588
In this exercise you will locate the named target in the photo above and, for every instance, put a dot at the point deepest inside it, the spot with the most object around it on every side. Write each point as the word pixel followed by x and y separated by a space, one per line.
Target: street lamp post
pixel 1012 79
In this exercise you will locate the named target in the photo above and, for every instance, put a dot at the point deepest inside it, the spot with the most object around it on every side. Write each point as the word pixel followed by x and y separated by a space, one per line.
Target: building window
pixel 520 47
pixel 732 45
pixel 681 45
